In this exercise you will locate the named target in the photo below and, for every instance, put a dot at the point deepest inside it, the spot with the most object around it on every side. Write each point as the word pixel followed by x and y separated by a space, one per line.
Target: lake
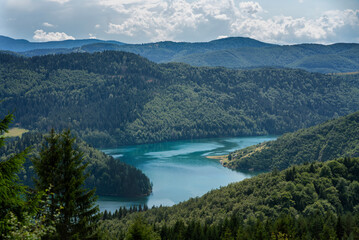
pixel 179 170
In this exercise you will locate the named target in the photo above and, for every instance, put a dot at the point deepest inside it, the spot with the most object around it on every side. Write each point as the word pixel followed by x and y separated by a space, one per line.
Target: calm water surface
pixel 179 170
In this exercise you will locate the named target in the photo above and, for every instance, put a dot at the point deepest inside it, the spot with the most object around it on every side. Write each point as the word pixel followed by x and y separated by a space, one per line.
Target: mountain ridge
pixel 22 45
pixel 231 52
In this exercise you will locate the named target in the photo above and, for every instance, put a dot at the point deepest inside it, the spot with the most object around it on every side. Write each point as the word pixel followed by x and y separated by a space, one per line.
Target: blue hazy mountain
pixel 233 52
pixel 22 45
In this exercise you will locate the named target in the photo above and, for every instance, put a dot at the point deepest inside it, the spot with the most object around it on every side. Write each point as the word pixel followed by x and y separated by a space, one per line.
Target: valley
pixel 179 170
pixel 154 133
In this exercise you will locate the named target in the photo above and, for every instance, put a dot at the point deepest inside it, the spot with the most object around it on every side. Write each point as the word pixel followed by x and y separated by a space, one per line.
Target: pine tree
pixel 11 191
pixel 47 169
pixel 20 216
pixel 61 167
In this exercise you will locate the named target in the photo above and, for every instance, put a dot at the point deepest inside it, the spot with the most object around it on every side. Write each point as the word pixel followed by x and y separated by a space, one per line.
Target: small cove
pixel 180 170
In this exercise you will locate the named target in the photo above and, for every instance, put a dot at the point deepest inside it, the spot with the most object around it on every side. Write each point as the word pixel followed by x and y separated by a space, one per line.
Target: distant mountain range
pixel 233 52
pixel 21 45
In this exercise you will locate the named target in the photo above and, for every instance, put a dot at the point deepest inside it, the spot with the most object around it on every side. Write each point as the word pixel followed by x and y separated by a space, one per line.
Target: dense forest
pixel 316 200
pixel 310 201
pixel 59 206
pixel 329 140
pixel 108 175
pixel 115 98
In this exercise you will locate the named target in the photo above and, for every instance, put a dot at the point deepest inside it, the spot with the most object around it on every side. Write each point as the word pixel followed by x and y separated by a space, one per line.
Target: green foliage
pixel 109 176
pixel 115 98
pixel 61 167
pixel 301 195
pixel 284 227
pixel 31 226
pixel 18 208
pixel 335 138
pixel 141 231
pixel 12 193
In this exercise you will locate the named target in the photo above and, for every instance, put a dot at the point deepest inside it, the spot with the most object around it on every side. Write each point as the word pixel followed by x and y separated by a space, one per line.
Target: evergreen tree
pixel 48 171
pixel 11 191
pixel 61 167
pixel 20 216
pixel 141 231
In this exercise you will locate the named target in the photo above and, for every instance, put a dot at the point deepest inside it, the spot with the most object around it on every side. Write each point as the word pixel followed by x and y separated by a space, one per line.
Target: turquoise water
pixel 179 170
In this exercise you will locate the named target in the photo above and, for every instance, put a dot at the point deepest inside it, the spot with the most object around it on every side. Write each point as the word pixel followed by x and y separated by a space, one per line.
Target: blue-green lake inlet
pixel 179 170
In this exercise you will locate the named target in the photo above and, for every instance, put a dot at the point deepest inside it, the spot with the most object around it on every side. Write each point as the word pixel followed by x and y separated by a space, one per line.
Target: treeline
pixel 286 226
pixel 332 139
pixel 123 211
pixel 108 175
pixel 116 98
pixel 299 195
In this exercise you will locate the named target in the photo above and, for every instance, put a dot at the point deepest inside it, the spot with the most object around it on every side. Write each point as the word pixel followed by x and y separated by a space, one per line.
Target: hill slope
pixel 114 98
pixel 109 176
pixel 326 141
pixel 312 190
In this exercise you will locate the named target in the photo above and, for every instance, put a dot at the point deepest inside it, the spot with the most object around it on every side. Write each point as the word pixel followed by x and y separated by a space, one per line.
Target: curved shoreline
pixel 221 158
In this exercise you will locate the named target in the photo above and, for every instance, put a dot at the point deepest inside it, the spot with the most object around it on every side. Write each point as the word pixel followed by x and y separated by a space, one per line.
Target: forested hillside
pixel 332 139
pixel 113 98
pixel 108 175
pixel 307 201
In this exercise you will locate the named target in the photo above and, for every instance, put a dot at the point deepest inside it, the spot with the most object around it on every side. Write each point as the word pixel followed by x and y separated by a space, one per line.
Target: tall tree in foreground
pixel 20 217
pixel 61 167
pixel 11 191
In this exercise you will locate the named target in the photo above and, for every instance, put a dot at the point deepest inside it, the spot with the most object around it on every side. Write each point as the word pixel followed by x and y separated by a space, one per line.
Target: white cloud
pixel 91 36
pixel 157 20
pixel 221 17
pixel 42 36
pixel 97 26
pixel 46 24
pixel 221 36
pixel 250 7
pixel 165 20
pixel 59 1
pixel 284 28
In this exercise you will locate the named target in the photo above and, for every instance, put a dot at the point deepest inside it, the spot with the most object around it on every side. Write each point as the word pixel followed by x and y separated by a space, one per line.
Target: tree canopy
pixel 109 176
pixel 60 167
pixel 117 98
pixel 329 140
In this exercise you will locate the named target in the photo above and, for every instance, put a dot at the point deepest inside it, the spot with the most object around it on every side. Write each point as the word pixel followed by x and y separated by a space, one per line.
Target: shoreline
pixel 221 158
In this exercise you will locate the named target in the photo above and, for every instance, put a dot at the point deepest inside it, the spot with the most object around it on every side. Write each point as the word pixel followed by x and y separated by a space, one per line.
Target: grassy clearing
pixel 221 158
pixel 345 73
pixel 15 132
pixel 243 153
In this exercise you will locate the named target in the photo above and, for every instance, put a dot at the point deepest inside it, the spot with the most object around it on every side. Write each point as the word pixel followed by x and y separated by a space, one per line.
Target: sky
pixel 142 21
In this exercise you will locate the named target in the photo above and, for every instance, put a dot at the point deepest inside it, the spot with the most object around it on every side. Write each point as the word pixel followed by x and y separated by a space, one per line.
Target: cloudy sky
pixel 140 21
